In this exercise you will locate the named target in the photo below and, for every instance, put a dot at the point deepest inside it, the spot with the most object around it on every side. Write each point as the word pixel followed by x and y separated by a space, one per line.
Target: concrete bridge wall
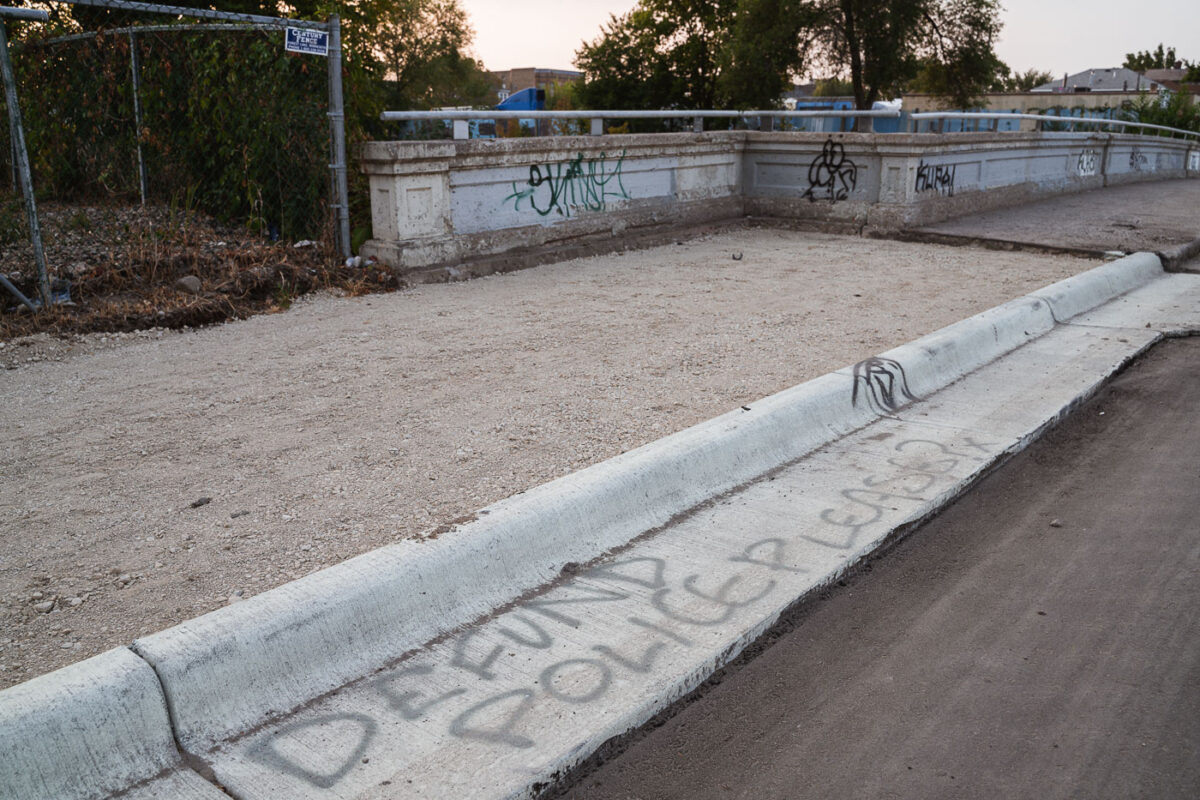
pixel 446 203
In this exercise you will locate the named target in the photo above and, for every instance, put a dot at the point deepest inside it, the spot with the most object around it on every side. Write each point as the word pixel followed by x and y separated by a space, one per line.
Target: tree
pixel 1025 81
pixel 884 46
pixel 766 47
pixel 741 53
pixel 421 46
pixel 1145 59
pixel 661 54
pixel 696 54
pixel 1179 111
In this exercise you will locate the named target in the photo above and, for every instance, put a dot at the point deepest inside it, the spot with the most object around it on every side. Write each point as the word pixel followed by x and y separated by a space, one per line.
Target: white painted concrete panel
pixel 550 193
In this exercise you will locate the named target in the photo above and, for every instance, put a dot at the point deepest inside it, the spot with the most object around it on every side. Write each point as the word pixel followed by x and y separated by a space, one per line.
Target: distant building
pixel 511 81
pixel 1173 79
pixel 1108 79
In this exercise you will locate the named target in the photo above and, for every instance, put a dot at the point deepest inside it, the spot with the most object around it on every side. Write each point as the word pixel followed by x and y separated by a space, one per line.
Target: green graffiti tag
pixel 571 185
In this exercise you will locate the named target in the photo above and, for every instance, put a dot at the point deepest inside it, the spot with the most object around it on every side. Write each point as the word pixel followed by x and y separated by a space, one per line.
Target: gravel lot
pixel 148 478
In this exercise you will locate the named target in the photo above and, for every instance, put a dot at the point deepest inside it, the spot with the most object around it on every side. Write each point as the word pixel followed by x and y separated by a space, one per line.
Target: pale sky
pixel 1054 35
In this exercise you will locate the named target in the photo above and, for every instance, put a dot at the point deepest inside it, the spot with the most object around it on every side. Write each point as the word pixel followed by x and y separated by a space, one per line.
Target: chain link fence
pixel 164 145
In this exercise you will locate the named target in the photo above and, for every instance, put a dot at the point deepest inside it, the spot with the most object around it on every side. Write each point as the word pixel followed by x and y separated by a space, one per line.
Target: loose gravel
pixel 150 477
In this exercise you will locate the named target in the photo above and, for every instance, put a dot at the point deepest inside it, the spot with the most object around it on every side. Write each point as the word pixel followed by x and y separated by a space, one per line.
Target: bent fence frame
pixel 336 112
pixel 337 108
pixel 21 156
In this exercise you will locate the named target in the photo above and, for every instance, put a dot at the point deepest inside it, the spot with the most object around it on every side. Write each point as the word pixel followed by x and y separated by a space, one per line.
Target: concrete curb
pixel 235 669
pixel 1176 257
pixel 89 730
pixel 1075 295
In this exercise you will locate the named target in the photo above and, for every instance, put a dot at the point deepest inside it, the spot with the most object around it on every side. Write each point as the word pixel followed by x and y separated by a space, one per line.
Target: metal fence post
pixel 137 112
pixel 337 131
pixel 18 137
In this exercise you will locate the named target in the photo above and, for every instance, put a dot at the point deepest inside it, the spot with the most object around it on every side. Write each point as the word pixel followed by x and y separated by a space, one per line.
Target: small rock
pixel 1054 523
pixel 237 514
pixel 188 283
pixel 36 596
pixel 44 607
pixel 203 501
pixel 75 602
pixel 737 256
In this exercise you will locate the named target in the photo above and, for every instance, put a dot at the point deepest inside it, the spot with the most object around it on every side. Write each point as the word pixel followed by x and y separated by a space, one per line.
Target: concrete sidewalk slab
pixel 1167 305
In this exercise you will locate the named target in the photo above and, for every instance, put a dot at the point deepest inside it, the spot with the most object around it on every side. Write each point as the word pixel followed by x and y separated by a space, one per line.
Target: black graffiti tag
pixel 884 384
pixel 936 178
pixel 832 175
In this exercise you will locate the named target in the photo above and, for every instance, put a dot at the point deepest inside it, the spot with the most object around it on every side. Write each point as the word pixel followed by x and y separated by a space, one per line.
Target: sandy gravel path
pixel 345 424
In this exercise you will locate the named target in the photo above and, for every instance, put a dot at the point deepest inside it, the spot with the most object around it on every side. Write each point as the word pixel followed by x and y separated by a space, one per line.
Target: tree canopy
pixel 743 53
pixel 1156 59
pixel 407 53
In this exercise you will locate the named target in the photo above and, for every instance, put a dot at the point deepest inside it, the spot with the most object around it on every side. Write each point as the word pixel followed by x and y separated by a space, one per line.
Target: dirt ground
pixel 149 477
pixel 1036 639
pixel 113 268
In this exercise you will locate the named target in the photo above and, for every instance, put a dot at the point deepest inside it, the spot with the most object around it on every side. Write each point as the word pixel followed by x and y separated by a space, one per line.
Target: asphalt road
pixel 1038 639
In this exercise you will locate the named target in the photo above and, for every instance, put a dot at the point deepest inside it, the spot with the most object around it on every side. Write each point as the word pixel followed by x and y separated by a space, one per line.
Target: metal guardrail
pixel 461 116
pixel 201 13
pixel 1043 119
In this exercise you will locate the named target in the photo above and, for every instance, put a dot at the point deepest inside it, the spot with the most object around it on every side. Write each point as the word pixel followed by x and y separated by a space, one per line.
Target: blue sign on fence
pixel 306 40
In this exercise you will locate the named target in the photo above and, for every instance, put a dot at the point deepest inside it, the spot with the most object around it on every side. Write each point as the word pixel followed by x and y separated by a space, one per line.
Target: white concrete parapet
pixel 445 203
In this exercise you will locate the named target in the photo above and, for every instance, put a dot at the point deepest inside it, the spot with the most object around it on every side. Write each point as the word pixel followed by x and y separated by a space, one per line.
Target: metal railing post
pixel 135 70
pixel 18 137
pixel 337 137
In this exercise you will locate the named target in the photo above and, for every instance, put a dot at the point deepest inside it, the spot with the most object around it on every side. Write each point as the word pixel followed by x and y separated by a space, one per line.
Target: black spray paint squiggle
pixel 832 175
pixel 884 384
